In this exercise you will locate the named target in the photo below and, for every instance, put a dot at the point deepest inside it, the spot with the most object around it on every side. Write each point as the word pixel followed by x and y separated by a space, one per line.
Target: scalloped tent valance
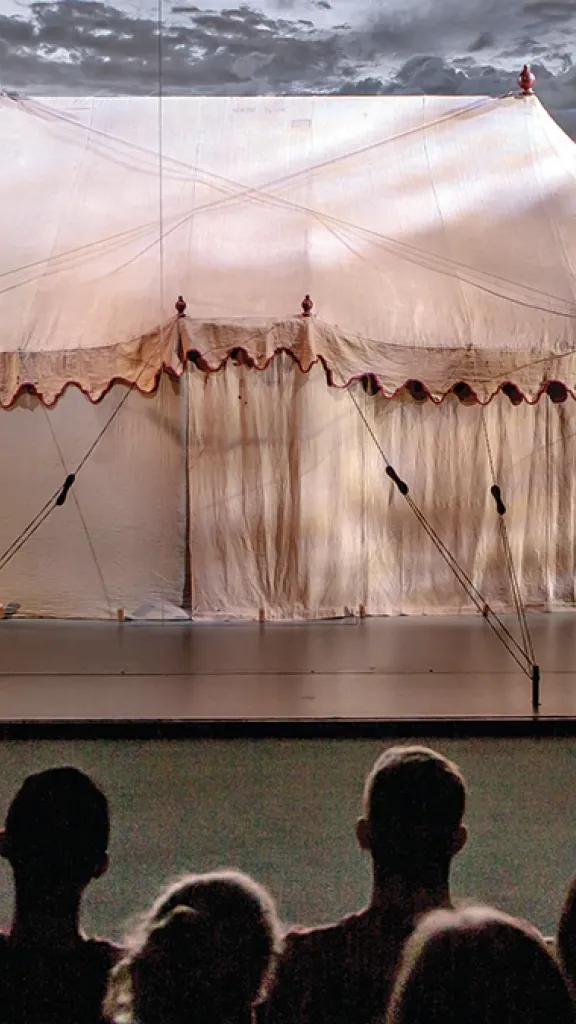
pixel 520 376
pixel 435 234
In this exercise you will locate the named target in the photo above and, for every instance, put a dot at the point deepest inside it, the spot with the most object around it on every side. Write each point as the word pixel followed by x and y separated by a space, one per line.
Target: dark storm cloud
pixel 290 5
pixel 484 42
pixel 551 10
pixel 86 46
pixel 448 27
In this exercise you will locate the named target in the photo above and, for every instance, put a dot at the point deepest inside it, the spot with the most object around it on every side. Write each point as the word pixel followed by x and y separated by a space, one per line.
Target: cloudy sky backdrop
pixel 292 46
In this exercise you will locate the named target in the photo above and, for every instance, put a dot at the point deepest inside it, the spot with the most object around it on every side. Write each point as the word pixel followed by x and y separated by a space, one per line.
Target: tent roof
pixel 436 236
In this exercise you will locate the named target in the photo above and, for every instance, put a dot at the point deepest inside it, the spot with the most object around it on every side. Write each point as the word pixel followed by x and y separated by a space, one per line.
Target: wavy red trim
pixel 28 388
pixel 194 356
pixel 205 367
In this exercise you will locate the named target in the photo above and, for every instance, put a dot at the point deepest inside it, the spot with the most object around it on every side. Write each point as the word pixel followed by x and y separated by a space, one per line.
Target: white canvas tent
pixel 240 471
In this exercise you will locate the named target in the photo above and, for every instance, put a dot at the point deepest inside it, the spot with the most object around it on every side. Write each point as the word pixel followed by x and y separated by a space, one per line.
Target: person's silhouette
pixel 203 953
pixel 55 840
pixel 411 827
pixel 477 965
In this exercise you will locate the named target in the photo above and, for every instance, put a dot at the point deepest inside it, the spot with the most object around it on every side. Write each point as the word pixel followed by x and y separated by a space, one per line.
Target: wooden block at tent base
pixel 1 611
pixel 362 611
pixel 120 614
pixel 261 615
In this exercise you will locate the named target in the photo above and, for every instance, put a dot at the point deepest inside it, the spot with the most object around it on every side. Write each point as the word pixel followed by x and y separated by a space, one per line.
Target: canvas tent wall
pixel 241 470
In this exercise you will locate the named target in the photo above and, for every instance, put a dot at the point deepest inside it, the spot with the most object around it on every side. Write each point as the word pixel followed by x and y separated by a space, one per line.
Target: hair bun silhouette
pixel 184 933
pixel 206 947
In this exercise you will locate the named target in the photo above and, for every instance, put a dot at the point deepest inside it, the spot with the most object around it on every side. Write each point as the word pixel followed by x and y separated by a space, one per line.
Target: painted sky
pixel 292 46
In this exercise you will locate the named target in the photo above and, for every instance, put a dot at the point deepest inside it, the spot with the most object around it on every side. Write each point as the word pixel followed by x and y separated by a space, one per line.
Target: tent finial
pixel 307 305
pixel 180 306
pixel 526 80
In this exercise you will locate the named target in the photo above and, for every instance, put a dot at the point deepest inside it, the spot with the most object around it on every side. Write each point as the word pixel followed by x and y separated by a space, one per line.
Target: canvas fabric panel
pixel 130 496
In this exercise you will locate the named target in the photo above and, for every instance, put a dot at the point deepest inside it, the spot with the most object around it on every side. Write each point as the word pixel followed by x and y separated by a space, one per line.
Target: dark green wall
pixel 284 810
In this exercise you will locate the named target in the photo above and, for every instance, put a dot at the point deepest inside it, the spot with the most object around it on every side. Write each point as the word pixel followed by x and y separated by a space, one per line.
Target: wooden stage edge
pixel 445 675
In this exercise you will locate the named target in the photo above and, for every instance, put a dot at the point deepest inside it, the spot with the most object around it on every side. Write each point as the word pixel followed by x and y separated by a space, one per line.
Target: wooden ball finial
pixel 307 305
pixel 180 306
pixel 526 80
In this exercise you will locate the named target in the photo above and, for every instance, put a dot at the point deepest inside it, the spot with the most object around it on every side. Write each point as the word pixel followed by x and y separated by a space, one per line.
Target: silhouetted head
pixel 478 966
pixel 414 802
pixel 57 829
pixel 204 952
pixel 566 938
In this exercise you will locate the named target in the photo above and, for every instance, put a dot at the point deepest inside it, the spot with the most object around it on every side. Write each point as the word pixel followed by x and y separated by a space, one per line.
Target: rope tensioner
pixel 496 494
pixel 64 492
pixel 402 487
pixel 526 80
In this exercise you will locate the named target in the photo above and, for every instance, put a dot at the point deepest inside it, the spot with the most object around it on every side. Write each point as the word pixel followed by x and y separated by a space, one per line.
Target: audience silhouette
pixel 414 801
pixel 566 940
pixel 203 953
pixel 209 950
pixel 55 840
pixel 478 966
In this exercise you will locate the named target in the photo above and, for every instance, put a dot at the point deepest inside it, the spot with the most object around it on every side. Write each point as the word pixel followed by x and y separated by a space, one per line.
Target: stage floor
pixel 372 670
